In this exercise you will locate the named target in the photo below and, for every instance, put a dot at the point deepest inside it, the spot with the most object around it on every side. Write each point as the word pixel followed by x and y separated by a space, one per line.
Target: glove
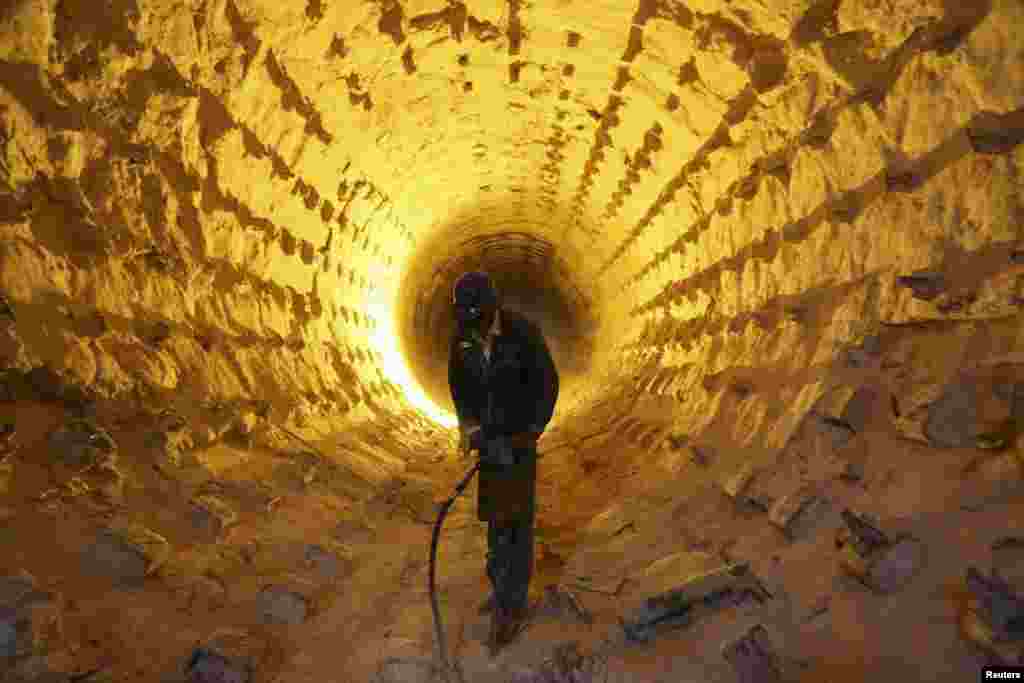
pixel 470 439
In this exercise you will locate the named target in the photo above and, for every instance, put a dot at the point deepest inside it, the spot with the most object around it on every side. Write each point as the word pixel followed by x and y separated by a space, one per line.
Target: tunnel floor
pixel 348 550
pixel 777 248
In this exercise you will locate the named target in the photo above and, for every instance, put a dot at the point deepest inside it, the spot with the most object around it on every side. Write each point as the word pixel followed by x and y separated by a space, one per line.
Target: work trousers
pixel 507 503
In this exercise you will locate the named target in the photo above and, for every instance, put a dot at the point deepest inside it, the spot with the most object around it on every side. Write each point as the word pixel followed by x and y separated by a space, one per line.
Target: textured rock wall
pixel 767 220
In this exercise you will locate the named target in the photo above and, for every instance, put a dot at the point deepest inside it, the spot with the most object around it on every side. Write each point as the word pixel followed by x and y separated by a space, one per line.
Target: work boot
pixel 506 625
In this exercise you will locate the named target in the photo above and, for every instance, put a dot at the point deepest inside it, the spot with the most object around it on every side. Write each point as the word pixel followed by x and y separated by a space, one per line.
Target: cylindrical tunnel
pixel 533 277
pixel 771 244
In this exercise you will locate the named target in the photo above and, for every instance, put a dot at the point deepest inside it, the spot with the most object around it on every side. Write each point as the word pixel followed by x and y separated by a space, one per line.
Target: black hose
pixel 442 646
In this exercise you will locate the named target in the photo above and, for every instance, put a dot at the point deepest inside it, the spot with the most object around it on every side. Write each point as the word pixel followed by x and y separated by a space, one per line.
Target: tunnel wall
pixel 165 232
pixel 805 206
pixel 784 219
pixel 746 180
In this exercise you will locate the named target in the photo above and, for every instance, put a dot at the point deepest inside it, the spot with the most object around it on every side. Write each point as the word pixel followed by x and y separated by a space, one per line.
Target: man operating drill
pixel 504 386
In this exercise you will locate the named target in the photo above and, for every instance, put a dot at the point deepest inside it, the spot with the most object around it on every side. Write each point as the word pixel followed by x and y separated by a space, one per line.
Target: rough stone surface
pixel 752 657
pixel 278 605
pixel 896 566
pixel 323 562
pixel 125 553
pixel 788 233
pixel 407 670
pixel 211 515
pixel 30 620
pixel 209 667
pixel 80 443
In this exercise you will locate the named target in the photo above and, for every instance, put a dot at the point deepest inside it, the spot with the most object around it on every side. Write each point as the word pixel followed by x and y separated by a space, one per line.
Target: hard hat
pixel 472 295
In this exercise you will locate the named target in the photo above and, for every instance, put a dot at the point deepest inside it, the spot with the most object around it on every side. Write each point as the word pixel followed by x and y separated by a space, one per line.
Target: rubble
pixel 994 619
pixel 233 655
pixel 925 285
pixel 752 657
pixel 560 602
pixel 190 211
pixel 170 448
pixel 207 666
pixel 80 443
pixel 1008 561
pixel 882 563
pixel 793 513
pixel 31 622
pixel 729 586
pixel 211 515
pixel 323 562
pixel 279 605
pixel 736 485
pixel 407 670
pixel 950 422
pixel 126 553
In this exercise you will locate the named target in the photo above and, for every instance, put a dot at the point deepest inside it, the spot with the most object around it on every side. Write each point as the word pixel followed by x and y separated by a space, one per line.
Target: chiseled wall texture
pixel 246 214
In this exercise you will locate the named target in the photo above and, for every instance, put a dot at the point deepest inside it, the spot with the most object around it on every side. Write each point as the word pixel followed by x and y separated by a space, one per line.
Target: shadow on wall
pixel 548 310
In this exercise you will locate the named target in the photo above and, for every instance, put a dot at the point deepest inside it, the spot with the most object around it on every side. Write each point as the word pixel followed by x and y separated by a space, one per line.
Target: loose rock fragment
pixel 864 537
pixel 1008 561
pixel 1000 608
pixel 994 619
pixel 407 670
pixel 30 619
pixel 951 419
pixel 7 430
pixel 80 443
pixel 839 431
pixel 278 605
pixel 234 656
pixel 729 586
pixel 211 515
pixel 737 485
pixel 323 562
pixel 793 511
pixel 852 472
pixel 752 657
pixel 168 447
pixel 924 285
pixel 44 383
pixel 126 553
pixel 559 601
pixel 206 666
pixel 883 564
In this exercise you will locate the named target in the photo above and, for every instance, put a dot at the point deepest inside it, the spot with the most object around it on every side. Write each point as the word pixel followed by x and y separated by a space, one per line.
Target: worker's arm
pixel 469 426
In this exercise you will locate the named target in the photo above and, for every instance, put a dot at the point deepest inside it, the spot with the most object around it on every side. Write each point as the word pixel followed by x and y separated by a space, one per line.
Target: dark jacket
pixel 516 392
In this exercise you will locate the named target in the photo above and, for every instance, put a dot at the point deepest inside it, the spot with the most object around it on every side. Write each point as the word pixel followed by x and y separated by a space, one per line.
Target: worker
pixel 504 386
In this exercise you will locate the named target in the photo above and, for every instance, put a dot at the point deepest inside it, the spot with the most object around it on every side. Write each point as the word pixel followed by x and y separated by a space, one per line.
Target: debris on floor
pixel 752 657
pixel 882 563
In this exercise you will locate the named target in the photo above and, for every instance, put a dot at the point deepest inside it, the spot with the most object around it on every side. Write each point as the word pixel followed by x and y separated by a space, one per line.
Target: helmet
pixel 472 296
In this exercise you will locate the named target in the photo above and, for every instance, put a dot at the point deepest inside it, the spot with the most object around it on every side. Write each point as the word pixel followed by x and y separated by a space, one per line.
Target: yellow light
pixel 382 306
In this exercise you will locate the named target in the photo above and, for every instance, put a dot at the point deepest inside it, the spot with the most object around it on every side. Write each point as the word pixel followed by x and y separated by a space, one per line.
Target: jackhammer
pixel 442 647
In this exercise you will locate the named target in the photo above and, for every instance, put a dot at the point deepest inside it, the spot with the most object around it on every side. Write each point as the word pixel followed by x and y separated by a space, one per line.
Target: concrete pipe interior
pixel 776 247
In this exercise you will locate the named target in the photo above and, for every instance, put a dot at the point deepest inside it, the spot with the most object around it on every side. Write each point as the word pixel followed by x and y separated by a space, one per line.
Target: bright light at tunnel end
pixel 383 306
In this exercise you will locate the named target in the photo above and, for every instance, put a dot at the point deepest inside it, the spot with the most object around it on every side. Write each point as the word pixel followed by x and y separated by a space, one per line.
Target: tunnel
pixel 776 250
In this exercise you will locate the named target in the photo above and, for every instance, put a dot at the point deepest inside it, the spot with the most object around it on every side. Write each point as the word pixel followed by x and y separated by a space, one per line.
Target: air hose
pixel 442 646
